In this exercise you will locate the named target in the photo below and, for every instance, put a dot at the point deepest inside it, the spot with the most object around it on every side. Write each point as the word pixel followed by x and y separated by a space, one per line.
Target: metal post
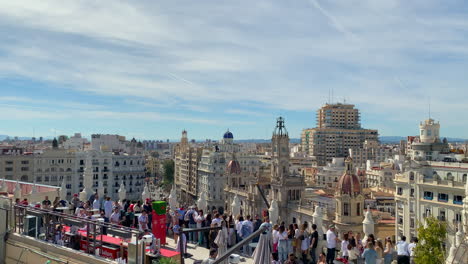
pixel 181 246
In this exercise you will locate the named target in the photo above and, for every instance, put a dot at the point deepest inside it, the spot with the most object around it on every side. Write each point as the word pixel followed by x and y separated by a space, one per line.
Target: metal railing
pixel 50 219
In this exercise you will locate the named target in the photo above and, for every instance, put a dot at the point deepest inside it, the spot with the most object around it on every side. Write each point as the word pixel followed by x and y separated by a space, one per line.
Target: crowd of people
pixel 290 244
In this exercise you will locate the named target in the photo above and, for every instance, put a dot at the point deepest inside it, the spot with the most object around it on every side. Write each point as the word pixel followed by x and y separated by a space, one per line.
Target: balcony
pixel 458 202
pixel 442 200
pixel 428 198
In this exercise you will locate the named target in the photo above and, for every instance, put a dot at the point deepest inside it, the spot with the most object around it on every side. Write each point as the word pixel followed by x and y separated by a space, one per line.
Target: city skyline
pixel 161 67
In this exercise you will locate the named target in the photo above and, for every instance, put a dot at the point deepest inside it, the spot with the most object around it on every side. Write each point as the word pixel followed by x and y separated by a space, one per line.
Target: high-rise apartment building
pixel 338 130
pixel 338 116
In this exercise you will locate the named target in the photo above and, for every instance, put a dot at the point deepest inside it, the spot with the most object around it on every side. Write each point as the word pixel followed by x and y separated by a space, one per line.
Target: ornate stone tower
pixel 286 188
pixel 280 152
pixel 349 201
pixel 184 139
pixel 429 131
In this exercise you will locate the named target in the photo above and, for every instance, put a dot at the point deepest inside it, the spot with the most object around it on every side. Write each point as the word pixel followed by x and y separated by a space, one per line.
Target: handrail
pixel 240 244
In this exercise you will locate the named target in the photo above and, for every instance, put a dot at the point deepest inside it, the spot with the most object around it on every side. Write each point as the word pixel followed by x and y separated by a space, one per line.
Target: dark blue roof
pixel 228 135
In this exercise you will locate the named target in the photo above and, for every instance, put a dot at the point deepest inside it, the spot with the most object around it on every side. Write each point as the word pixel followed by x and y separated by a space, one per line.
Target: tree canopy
pixel 431 236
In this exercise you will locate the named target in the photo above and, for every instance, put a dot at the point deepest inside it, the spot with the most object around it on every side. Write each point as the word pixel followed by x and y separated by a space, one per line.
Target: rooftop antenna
pixel 332 95
pixel 429 107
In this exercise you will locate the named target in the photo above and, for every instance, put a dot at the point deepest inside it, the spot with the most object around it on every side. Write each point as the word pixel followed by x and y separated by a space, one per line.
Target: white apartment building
pixel 75 142
pixel 53 166
pixel 432 183
pixel 327 176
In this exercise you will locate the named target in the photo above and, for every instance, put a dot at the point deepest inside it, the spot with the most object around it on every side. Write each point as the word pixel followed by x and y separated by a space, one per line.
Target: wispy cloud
pixel 159 61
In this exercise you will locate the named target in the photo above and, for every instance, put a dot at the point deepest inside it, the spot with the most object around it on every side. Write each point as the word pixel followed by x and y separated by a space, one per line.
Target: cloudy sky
pixel 148 69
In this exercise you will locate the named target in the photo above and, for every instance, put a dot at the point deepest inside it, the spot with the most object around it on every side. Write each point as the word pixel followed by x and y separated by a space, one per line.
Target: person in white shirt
pixel 96 203
pixel 217 220
pixel 282 244
pixel 238 224
pixel 199 219
pixel 108 207
pixel 344 246
pixel 331 244
pixel 411 246
pixel 143 221
pixel 403 252
pixel 115 217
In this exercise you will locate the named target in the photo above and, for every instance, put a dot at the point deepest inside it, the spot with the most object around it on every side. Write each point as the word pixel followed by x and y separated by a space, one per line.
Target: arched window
pixel 345 209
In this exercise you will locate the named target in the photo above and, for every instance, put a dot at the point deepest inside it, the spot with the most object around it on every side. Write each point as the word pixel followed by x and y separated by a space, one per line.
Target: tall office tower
pixel 338 130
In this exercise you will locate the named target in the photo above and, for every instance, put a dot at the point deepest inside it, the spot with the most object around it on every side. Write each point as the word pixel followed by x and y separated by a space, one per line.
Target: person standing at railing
pixel 143 221
pixel 115 216
pixel 96 203
pixel 108 207
pixel 200 219
pixel 221 240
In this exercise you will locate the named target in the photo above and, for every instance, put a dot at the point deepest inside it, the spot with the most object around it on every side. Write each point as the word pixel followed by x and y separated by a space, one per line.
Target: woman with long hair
pixel 305 241
pixel 221 240
pixel 282 244
pixel 388 253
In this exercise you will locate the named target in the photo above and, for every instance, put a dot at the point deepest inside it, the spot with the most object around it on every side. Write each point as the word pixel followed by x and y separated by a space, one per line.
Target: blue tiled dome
pixel 228 134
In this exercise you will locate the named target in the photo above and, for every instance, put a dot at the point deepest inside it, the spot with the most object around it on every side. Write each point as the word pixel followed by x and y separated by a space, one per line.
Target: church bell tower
pixel 280 152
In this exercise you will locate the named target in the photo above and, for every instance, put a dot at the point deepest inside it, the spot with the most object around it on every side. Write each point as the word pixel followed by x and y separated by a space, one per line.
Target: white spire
pixel 63 191
pixel 3 187
pixel 202 203
pixel 274 212
pixel 17 192
pixel 87 179
pixel 173 198
pixel 318 219
pixel 146 193
pixel 235 206
pixel 122 192
pixel 368 223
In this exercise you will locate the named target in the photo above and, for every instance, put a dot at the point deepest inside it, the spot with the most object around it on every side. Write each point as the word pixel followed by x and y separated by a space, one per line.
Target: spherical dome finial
pixel 228 134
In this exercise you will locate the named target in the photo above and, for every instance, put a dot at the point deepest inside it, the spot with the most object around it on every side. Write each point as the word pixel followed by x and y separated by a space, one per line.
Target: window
pixel 358 209
pixel 81 162
pixel 458 217
pixel 400 191
pixel 457 199
pixel 8 169
pixel 442 215
pixel 428 195
pixel 464 178
pixel 345 209
pixel 400 220
pixel 443 197
pixel 412 223
pixel 24 168
pixel 25 162
pixel 9 162
pixel 38 179
pixel 412 192
pixel 411 176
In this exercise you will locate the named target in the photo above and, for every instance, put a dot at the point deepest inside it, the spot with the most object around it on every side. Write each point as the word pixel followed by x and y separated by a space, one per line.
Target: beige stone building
pixel 186 160
pixel 338 130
